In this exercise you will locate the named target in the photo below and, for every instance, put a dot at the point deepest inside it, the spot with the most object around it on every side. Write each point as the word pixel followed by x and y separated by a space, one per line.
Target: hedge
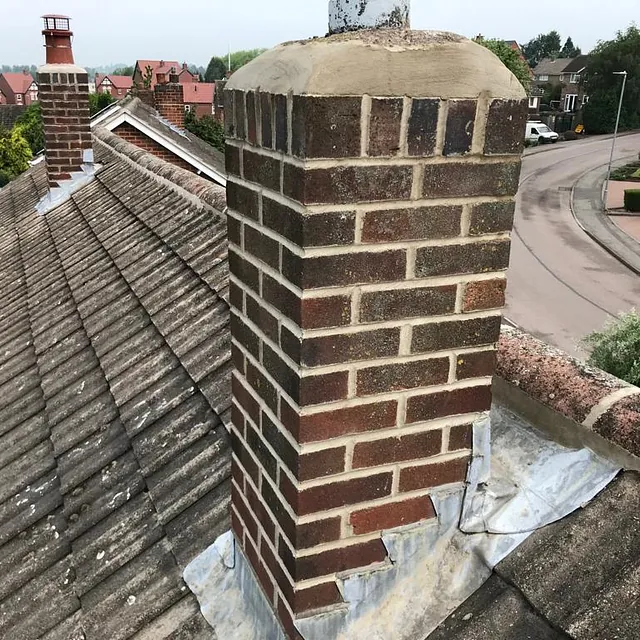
pixel 632 200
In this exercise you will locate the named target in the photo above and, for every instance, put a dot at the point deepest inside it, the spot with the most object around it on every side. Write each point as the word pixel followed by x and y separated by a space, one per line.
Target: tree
pixel 99 101
pixel 31 128
pixel 123 71
pixel 216 70
pixel 14 154
pixel 510 58
pixel 545 45
pixel 603 87
pixel 569 50
pixel 206 128
pixel 240 58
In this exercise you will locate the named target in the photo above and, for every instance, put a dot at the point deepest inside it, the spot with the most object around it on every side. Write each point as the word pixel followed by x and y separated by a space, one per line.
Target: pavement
pixel 615 197
pixel 562 283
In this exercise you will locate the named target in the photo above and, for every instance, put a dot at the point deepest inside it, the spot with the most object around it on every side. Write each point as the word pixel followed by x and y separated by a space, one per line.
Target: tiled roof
pixel 9 113
pixel 114 391
pixel 551 66
pixel 198 92
pixel 577 64
pixel 19 83
pixel 119 82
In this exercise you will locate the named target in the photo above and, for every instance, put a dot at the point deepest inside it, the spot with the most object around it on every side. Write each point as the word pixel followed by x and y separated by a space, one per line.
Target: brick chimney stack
pixel 169 100
pixel 64 99
pixel 370 207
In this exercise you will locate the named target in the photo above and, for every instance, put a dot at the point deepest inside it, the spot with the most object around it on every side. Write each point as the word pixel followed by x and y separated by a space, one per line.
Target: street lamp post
pixel 615 135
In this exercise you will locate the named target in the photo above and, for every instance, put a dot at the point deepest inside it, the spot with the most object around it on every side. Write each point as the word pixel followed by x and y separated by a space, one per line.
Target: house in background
pixel 566 74
pixel 199 98
pixel 116 86
pixel 160 71
pixel 18 88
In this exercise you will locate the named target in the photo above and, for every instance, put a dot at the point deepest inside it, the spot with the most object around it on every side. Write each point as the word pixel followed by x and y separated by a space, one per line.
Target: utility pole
pixel 615 135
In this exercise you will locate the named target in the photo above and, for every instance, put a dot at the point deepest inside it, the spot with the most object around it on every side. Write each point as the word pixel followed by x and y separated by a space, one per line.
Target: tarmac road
pixel 561 284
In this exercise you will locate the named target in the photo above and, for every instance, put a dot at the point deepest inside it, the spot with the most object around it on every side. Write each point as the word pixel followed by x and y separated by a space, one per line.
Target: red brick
pixel 251 118
pixel 281 122
pixel 340 422
pixel 232 159
pixel 229 110
pixel 350 347
pixel 262 574
pixel 330 311
pixel 262 318
pixel 389 450
pixel 245 335
pixel 455 334
pixel 339 494
pixel 243 457
pixel 476 365
pixel 485 294
pixel 363 267
pixel 283 299
pixel 281 372
pixel 234 231
pixel 448 403
pixel 243 270
pixel 326 127
pixel 242 200
pixel 262 247
pixel 318 532
pixel 478 257
pixel 286 620
pixel 259 383
pixel 461 437
pixel 236 296
pixel 237 357
pixel 406 375
pixel 320 464
pixel 243 511
pixel 237 418
pixel 290 343
pixel 277 572
pixel 336 560
pixel 318 597
pixel 239 114
pixel 262 170
pixel 423 126
pixel 260 512
pixel 433 475
pixel 345 184
pixel 259 449
pixel 398 304
pixel 326 387
pixel 244 398
pixel 278 510
pixel 460 123
pixel 420 223
pixel 266 114
pixel 465 179
pixel 236 526
pixel 390 516
pixel 491 217
pixel 506 123
pixel 384 126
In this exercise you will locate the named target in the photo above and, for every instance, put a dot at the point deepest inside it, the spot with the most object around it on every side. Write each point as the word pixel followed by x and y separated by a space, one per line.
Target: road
pixel 561 284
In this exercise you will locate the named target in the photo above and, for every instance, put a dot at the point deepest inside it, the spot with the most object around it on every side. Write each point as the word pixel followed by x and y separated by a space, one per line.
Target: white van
pixel 539 132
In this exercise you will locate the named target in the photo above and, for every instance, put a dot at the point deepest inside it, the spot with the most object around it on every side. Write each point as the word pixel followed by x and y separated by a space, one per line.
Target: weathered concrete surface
pixel 349 15
pixel 416 63
pixel 562 284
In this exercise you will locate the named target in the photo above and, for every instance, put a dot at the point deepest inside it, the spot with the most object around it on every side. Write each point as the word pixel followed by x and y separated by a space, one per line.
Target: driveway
pixel 562 285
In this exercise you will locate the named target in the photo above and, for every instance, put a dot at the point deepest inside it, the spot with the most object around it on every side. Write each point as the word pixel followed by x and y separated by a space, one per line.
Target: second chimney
pixel 64 99
pixel 169 98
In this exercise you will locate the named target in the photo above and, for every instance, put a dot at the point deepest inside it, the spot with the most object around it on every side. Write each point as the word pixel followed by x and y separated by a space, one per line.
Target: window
pixel 213 110
pixel 533 102
pixel 187 108
pixel 18 98
pixel 543 78
pixel 570 102
pixel 34 96
pixel 585 99
pixel 575 78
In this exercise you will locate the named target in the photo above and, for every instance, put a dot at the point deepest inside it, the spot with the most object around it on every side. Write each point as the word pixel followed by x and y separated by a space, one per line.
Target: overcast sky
pixel 123 30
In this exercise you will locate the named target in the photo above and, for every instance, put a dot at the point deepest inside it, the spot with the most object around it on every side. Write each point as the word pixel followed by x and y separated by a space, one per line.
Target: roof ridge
pixel 185 182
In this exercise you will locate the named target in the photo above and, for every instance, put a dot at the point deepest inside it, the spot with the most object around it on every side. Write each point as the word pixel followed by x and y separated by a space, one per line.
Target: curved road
pixel 561 284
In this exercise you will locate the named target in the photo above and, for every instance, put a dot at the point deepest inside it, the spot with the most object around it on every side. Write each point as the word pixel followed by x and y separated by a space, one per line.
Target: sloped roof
pixel 577 64
pixel 158 66
pixel 192 149
pixel 114 390
pixel 19 83
pixel 575 579
pixel 9 113
pixel 119 82
pixel 198 92
pixel 552 66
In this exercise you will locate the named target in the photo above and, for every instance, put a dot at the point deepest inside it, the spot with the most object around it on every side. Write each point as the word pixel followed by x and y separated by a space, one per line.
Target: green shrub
pixel 632 200
pixel 616 349
pixel 570 135
pixel 626 172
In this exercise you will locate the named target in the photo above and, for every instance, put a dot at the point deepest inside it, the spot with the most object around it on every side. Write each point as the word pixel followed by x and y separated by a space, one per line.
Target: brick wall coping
pixel 61 68
pixel 205 190
pixel 594 399
pixel 349 64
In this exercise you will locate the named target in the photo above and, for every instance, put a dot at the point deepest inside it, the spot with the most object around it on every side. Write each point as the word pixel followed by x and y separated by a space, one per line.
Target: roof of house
pixel 159 66
pixel 9 113
pixel 198 92
pixel 114 390
pixel 577 64
pixel 19 83
pixel 575 579
pixel 202 156
pixel 119 82
pixel 551 66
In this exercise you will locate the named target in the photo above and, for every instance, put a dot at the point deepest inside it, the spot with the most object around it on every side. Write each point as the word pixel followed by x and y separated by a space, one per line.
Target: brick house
pixel 18 88
pixel 160 72
pixel 199 98
pixel 117 86
pixel 565 73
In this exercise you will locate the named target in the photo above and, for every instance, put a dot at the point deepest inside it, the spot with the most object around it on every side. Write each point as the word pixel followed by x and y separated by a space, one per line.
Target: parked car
pixel 538 132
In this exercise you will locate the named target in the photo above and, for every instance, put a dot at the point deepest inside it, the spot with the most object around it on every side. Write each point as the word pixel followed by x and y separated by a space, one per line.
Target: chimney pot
pixel 57 39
